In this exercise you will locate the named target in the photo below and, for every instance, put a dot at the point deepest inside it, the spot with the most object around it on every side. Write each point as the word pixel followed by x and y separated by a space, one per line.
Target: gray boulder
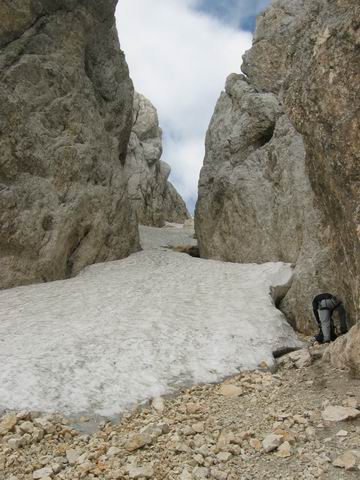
pixel 154 199
pixel 65 121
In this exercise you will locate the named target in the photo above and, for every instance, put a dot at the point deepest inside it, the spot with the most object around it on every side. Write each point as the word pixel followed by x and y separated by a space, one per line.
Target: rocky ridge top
pixel 153 197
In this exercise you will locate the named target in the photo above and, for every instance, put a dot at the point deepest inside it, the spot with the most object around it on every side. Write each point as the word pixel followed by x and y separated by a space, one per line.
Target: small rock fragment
pixel 218 474
pixel 347 460
pixel 158 404
pixel 27 427
pixel 73 455
pixel 339 413
pixel 200 473
pixel 230 391
pixel 112 452
pixel 271 442
pixel 301 358
pixel 15 442
pixel 145 471
pixel 198 427
pixel 284 451
pixel 185 475
pixel 192 407
pixel 43 473
pixel 255 443
pixel 7 423
pixel 138 440
pixel 224 456
pixel 310 432
pixel 350 402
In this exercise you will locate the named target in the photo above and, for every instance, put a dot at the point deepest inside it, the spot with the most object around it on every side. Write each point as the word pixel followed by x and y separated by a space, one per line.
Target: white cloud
pixel 179 58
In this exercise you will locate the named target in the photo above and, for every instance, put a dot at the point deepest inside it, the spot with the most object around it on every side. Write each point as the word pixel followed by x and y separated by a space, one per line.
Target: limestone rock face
pixel 345 352
pixel 256 203
pixel 321 96
pixel 154 199
pixel 65 119
pixel 279 180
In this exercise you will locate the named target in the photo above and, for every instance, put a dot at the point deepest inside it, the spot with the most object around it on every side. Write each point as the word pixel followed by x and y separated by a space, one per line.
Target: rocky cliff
pixel 154 199
pixel 65 120
pixel 281 174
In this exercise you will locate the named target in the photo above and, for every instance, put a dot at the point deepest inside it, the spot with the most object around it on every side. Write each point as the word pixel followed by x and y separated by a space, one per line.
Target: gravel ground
pixel 257 425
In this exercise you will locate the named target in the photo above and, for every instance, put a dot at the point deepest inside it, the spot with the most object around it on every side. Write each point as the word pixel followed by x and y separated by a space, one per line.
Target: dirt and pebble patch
pixel 302 422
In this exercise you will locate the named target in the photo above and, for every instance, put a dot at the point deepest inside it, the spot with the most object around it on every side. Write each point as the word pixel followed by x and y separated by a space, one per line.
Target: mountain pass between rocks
pixel 122 332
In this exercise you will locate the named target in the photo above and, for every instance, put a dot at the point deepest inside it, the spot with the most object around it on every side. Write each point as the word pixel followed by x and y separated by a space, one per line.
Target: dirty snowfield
pixel 125 331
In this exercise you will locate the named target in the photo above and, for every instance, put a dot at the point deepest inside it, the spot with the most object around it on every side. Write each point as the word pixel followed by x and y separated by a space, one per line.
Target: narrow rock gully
pixel 161 366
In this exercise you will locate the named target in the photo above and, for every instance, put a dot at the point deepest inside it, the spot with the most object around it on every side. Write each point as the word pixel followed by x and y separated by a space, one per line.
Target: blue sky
pixel 238 13
pixel 179 54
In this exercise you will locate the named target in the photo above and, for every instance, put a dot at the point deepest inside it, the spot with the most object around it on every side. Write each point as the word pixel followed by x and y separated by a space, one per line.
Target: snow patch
pixel 126 331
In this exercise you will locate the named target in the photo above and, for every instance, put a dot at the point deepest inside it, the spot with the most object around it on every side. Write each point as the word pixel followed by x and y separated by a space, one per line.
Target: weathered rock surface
pixel 154 198
pixel 65 119
pixel 255 199
pixel 321 97
pixel 280 177
pixel 345 352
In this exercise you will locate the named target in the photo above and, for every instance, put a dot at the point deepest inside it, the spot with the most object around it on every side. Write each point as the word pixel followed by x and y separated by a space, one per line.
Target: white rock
pixel 271 442
pixel 153 430
pixel 339 413
pixel 351 402
pixel 26 439
pixel 300 420
pixel 73 455
pixel 230 391
pixel 138 440
pixel 7 424
pixel 200 473
pixel 112 452
pixel 23 415
pixel 342 433
pixel 158 404
pixel 185 475
pixel 192 407
pixel 56 467
pixel 38 434
pixel 284 450
pixel 223 456
pixel 146 471
pixel 218 474
pixel 301 358
pixel 27 427
pixel 198 427
pixel 15 442
pixel 43 473
pixel 86 466
pixel 199 459
pixel 224 439
pixel 44 424
pixel 348 460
